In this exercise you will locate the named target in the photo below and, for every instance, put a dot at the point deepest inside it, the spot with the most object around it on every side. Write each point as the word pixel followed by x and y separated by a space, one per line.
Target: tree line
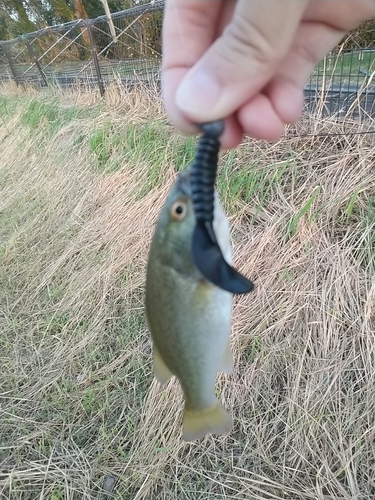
pixel 18 17
pixel 141 40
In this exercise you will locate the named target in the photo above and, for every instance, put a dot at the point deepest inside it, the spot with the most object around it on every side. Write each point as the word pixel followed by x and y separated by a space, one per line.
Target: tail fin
pixel 199 423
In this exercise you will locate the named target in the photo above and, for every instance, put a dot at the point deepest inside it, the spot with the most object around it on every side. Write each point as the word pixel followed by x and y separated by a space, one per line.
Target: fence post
pixel 10 62
pixel 36 61
pixel 95 58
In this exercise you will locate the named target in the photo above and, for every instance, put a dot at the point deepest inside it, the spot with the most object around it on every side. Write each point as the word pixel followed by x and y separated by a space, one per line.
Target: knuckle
pixel 249 40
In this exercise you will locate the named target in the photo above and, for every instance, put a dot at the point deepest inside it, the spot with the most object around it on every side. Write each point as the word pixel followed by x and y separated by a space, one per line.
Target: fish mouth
pixel 183 182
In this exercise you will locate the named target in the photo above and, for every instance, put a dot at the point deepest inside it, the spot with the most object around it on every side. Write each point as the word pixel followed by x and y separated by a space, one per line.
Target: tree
pixel 15 19
pixel 18 17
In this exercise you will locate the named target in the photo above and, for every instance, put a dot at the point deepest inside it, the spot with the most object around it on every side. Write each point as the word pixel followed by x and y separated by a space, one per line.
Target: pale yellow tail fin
pixel 197 424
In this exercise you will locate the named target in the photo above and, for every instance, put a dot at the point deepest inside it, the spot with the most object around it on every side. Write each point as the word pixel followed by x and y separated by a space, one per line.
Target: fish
pixel 189 318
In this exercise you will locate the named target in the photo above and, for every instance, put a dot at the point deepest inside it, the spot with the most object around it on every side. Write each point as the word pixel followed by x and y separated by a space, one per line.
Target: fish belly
pixel 190 324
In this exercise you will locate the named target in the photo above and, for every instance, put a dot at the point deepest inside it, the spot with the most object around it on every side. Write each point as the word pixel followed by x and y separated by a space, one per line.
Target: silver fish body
pixel 189 318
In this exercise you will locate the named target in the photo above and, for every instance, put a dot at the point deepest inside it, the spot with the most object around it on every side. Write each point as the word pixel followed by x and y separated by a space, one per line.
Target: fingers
pixel 189 28
pixel 219 76
pixel 341 14
pixel 240 62
pixel 312 41
pixel 324 24
pixel 282 99
pixel 248 60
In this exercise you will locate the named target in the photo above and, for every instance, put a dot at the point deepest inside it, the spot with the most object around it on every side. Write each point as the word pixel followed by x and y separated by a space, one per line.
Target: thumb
pixel 242 60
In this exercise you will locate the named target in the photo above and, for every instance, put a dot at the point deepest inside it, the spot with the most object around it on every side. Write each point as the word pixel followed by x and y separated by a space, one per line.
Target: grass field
pixel 82 183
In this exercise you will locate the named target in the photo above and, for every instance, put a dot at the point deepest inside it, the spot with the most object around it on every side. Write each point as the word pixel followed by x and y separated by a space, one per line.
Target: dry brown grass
pixel 79 405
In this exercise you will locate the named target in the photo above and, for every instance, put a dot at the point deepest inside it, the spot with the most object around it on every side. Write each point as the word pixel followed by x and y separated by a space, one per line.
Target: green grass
pixel 111 147
pixel 292 226
pixel 79 406
pixel 346 68
pixel 8 106
pixel 54 116
pixel 240 184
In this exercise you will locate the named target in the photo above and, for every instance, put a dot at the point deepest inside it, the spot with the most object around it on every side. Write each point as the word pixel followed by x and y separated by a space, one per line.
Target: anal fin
pixel 161 370
pixel 227 361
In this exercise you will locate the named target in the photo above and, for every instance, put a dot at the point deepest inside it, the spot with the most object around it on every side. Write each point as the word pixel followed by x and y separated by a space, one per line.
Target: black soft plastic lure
pixel 205 248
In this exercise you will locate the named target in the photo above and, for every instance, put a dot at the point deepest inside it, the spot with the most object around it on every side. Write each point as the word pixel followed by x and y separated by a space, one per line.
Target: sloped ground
pixel 82 183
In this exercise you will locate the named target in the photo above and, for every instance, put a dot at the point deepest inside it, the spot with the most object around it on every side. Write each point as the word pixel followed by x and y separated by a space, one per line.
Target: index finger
pixel 189 29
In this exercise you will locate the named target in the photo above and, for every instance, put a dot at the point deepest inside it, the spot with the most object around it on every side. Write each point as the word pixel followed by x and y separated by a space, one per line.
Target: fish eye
pixel 178 210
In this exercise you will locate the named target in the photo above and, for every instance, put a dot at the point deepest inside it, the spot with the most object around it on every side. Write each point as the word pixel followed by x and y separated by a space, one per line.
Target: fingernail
pixel 198 94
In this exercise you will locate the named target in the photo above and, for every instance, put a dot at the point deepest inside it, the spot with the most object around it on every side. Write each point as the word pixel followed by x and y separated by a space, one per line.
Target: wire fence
pixel 127 47
pixel 85 52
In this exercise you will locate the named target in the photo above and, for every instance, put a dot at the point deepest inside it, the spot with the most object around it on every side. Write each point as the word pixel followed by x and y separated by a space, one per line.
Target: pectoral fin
pixel 161 370
pixel 227 362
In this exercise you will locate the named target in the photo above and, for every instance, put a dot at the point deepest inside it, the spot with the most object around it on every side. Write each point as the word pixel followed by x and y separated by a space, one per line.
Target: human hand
pixel 248 60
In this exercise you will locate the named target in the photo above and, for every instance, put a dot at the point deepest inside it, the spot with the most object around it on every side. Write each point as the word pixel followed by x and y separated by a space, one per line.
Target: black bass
pixel 189 318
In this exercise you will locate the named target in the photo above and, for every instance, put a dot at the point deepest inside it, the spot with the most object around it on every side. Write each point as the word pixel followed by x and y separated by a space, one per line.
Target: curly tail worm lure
pixel 206 252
